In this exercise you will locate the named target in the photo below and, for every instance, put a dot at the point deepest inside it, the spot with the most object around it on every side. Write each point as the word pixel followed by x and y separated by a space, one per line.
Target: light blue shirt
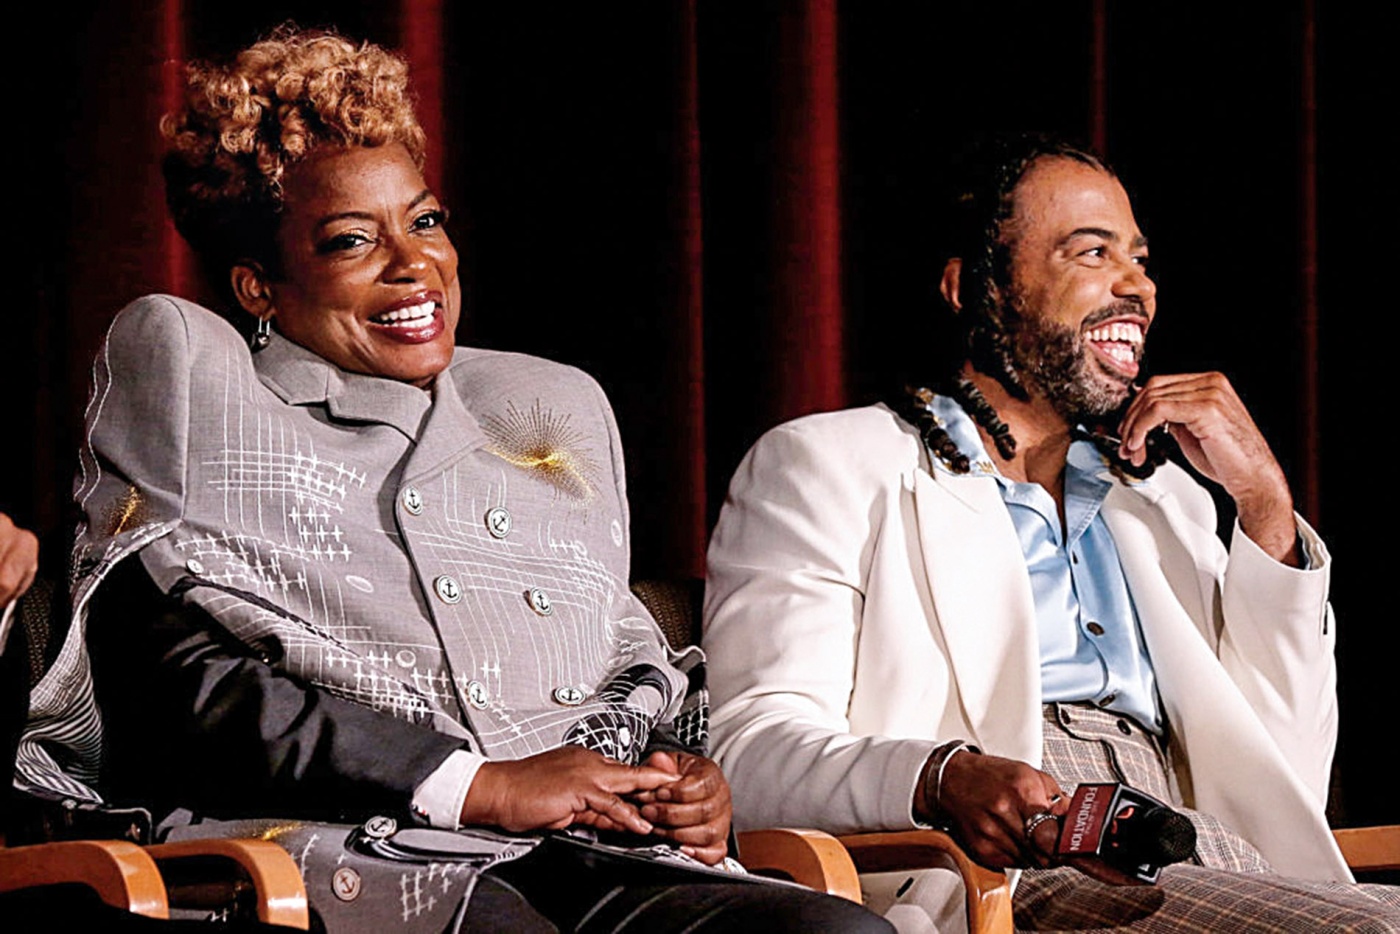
pixel 1091 647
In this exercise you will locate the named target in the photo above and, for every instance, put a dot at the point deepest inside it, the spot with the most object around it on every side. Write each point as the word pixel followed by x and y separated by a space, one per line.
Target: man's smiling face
pixel 1080 300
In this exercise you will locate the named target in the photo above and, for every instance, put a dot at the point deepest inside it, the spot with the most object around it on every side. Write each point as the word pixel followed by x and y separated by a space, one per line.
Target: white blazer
pixel 860 609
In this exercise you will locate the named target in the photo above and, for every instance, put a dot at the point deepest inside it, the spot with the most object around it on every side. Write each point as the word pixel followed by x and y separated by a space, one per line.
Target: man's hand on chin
pixel 1215 432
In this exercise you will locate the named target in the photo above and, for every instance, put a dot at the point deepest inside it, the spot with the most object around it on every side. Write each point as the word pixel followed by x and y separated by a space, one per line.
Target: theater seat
pixel 238 878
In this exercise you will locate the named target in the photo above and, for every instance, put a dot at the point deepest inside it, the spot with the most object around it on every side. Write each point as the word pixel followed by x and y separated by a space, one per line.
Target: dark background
pixel 719 210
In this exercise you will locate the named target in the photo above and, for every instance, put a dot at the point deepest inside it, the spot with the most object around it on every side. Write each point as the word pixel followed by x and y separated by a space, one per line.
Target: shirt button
pixel 413 500
pixel 1095 628
pixel 1064 715
pixel 1074 557
pixel 406 658
pixel 1108 699
pixel 539 601
pixel 569 696
pixel 476 695
pixel 1124 728
pixel 194 566
pixel 498 521
pixel 448 590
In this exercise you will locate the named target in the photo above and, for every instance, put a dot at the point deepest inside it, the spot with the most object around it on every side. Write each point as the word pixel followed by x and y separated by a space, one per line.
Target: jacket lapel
pixel 1157 548
pixel 1160 572
pixel 984 608
pixel 300 377
pixel 449 432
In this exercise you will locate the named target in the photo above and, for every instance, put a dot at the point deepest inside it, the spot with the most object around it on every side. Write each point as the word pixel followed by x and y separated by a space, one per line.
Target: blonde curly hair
pixel 246 123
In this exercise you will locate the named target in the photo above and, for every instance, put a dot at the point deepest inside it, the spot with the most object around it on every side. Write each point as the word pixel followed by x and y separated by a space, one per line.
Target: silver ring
pixel 1035 820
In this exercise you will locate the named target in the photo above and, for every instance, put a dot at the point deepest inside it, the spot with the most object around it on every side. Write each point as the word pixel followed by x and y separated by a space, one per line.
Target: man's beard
pixel 1054 360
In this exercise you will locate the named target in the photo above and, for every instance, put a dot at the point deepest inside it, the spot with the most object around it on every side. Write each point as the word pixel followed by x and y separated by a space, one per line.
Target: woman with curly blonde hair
pixel 246 123
pixel 366 582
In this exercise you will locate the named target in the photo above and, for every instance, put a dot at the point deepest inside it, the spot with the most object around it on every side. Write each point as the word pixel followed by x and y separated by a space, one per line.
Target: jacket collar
pixel 300 377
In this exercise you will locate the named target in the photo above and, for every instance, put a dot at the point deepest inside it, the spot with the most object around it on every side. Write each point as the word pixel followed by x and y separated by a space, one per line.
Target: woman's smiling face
pixel 368 275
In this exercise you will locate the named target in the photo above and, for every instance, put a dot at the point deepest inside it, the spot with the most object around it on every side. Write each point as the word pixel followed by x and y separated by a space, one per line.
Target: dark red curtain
pixel 718 210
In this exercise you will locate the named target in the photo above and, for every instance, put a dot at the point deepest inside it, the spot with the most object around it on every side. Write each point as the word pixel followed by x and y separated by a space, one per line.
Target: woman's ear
pixel 952 279
pixel 251 288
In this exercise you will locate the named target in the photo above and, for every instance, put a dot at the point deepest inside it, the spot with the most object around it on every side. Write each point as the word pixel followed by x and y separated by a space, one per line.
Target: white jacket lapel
pixel 983 604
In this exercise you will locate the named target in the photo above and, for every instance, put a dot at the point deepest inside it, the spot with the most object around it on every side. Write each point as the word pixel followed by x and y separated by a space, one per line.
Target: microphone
pixel 1122 836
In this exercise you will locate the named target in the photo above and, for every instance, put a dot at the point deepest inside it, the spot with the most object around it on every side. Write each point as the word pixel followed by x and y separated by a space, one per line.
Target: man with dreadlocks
pixel 954 609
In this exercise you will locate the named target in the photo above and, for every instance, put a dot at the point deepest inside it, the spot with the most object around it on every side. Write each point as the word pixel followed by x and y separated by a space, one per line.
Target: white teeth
pixel 1121 341
pixel 1125 332
pixel 409 314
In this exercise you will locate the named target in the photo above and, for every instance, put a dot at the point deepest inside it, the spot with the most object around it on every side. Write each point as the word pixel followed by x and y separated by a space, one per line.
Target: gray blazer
pixel 367 575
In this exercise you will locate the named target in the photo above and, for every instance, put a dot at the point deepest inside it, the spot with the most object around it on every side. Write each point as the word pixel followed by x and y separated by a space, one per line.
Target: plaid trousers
pixel 1229 889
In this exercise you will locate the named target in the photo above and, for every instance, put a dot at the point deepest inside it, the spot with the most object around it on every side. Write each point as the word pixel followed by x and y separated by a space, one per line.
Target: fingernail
pixel 647 826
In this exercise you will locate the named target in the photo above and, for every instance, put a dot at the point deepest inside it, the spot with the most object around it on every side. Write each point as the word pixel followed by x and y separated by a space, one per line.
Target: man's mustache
pixel 1124 307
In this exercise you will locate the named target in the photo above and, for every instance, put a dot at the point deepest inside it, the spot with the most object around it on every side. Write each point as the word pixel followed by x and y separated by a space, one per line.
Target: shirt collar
pixel 1087 475
pixel 951 418
pixel 1083 461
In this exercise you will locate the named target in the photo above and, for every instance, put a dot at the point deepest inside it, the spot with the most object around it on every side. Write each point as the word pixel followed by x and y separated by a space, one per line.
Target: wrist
pixel 479 805
pixel 928 807
pixel 1268 520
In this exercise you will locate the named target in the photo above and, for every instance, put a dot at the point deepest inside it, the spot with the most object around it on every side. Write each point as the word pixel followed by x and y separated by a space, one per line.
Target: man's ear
pixel 949 284
pixel 251 288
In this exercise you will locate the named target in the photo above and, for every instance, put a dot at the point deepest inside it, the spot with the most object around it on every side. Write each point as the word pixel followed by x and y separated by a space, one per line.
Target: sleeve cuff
pixel 1314 553
pixel 439 798
pixel 933 780
pixel 1310 546
pixel 1277 597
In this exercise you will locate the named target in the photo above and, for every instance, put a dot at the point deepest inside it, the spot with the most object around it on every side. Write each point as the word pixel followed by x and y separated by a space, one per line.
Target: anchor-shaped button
pixel 539 601
pixel 569 696
pixel 448 590
pixel 498 521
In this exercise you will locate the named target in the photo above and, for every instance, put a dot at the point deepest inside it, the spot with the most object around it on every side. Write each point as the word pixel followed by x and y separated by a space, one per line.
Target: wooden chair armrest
pixel 988 890
pixel 807 857
pixel 1370 849
pixel 193 867
pixel 121 873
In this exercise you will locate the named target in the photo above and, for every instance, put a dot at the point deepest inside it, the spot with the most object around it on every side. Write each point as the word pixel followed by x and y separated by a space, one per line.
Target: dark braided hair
pixel 978 206
pixel 914 406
